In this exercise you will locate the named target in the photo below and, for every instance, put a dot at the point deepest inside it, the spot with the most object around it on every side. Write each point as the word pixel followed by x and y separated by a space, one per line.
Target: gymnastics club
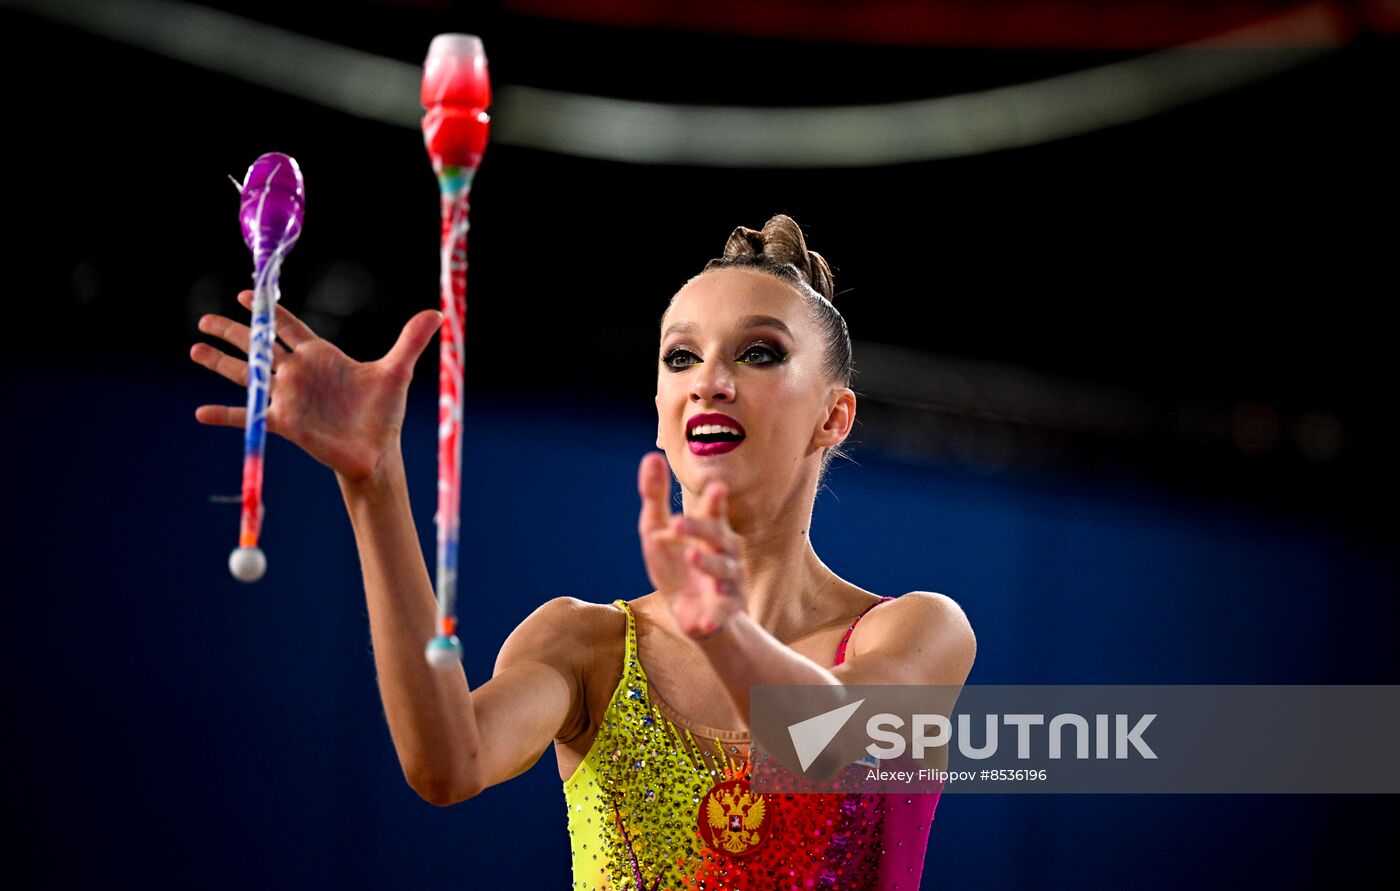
pixel 270 212
pixel 456 93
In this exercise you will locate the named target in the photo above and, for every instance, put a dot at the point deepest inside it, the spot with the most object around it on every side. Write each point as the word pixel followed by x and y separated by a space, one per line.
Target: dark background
pixel 1225 267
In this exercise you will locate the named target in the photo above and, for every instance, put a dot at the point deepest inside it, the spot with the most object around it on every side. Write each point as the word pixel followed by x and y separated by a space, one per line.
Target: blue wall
pixel 180 729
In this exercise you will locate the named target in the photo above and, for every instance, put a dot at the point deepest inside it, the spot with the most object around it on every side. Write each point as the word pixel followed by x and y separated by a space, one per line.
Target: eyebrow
pixel 745 322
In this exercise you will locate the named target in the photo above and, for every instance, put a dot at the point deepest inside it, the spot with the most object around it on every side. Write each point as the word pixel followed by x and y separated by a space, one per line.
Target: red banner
pixel 1012 24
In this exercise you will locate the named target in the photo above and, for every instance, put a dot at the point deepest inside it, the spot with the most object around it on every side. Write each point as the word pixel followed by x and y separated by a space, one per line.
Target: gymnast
pixel 646 701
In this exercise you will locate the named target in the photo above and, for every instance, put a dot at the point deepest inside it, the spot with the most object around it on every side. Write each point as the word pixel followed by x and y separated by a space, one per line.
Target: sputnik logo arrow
pixel 811 737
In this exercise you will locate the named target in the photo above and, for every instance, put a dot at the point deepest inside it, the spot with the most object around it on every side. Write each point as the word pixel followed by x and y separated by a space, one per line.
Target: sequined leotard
pixel 654 806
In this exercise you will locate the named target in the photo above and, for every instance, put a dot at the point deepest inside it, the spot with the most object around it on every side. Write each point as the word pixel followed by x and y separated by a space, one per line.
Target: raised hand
pixel 695 561
pixel 345 414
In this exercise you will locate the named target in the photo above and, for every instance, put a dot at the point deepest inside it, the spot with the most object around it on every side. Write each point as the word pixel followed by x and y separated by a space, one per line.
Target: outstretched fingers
pixel 223 364
pixel 654 485
pixel 714 501
pixel 417 333
pixel 710 523
pixel 239 335
pixel 723 569
pixel 221 415
pixel 290 330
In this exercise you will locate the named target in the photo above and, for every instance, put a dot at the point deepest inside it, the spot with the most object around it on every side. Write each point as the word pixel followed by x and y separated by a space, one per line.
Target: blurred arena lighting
pixel 995 417
pixel 999 393
pixel 345 79
pixel 1119 25
pixel 345 288
pixel 1319 435
pixel 1255 427
pixel 386 90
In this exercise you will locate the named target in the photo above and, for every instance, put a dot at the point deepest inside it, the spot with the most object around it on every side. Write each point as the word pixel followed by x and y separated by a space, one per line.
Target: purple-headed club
pixel 272 206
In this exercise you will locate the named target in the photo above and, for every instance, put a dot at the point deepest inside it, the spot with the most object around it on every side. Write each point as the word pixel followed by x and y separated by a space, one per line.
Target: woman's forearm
pixel 744 654
pixel 429 710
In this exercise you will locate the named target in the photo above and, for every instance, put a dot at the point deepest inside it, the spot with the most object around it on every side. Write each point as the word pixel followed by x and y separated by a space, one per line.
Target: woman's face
pixel 741 343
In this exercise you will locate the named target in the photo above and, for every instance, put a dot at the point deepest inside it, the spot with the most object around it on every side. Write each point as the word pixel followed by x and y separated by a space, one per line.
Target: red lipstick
pixel 713 441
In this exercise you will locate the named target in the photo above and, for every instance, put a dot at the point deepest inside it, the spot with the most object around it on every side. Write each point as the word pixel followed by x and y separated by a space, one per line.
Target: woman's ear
pixel 839 419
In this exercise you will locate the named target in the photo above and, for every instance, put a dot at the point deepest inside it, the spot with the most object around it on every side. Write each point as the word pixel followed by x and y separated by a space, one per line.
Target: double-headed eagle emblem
pixel 733 819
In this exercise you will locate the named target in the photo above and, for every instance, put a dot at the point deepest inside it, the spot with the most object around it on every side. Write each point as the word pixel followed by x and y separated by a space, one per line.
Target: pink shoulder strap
pixel 841 650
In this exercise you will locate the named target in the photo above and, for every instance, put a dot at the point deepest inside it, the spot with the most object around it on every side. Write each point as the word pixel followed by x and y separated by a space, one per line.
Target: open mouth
pixel 712 434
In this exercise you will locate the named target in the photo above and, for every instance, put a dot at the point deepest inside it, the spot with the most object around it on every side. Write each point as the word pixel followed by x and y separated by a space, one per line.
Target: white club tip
pixel 443 652
pixel 459 46
pixel 247 564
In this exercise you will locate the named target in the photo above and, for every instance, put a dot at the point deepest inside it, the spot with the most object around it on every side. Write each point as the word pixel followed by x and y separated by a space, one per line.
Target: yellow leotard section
pixel 653 808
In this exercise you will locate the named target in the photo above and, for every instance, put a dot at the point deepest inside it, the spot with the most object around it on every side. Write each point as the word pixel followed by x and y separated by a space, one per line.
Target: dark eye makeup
pixel 756 353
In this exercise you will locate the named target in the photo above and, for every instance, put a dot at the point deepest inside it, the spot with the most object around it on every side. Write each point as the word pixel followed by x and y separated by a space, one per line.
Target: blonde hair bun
pixel 780 243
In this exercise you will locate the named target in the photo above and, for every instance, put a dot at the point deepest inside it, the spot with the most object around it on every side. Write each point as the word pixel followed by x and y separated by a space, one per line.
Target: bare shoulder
pixel 563 630
pixel 930 610
pixel 579 641
pixel 921 637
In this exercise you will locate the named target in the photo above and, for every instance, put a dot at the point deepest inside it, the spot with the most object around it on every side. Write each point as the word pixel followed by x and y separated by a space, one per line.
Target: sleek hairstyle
pixel 781 250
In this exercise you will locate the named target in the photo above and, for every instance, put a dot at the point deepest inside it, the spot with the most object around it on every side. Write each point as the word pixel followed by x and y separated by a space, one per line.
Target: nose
pixel 713 382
